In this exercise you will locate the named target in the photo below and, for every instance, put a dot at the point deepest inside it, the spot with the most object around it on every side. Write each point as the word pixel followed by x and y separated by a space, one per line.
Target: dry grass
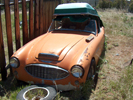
pixel 113 77
pixel 117 22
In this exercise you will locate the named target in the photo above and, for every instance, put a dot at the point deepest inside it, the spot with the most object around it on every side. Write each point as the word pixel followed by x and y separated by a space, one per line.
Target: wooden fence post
pixel 36 19
pixel 2 54
pixel 44 17
pixel 31 25
pixel 25 24
pixel 8 29
pixel 41 17
pixel 17 28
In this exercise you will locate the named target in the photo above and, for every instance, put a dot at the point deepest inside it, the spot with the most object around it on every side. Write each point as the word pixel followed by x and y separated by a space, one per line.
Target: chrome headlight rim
pixel 15 60
pixel 80 68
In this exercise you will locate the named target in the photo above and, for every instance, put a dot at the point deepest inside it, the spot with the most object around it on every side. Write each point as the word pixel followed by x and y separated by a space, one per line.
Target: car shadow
pixel 10 85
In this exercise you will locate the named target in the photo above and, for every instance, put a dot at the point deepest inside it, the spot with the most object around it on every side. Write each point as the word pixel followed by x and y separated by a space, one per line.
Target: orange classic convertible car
pixel 67 54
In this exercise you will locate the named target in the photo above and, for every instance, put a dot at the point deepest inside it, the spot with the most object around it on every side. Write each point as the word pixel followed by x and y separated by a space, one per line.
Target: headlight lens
pixel 14 62
pixel 77 71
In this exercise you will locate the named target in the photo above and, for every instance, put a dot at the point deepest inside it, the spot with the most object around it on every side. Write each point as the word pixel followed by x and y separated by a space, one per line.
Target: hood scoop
pixel 47 56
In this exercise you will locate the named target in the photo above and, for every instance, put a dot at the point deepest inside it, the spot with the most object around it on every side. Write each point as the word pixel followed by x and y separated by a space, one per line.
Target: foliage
pixel 68 1
pixel 131 7
pixel 104 4
pixel 27 6
pixel 119 4
pixel 72 1
pixel 62 1
pixel 2 8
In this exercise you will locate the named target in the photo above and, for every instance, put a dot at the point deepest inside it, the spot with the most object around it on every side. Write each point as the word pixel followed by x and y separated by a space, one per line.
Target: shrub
pixel 104 4
pixel 120 4
pixel 131 7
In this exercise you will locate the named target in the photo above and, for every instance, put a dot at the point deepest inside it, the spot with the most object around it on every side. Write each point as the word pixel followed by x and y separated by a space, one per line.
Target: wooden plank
pixel 8 29
pixel 41 17
pixel 17 28
pixel 54 6
pixel 36 19
pixel 2 53
pixel 44 17
pixel 25 24
pixel 47 15
pixel 31 25
pixel 57 3
pixel 51 12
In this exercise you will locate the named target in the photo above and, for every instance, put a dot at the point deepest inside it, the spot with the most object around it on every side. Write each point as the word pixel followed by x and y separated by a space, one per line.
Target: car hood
pixel 55 46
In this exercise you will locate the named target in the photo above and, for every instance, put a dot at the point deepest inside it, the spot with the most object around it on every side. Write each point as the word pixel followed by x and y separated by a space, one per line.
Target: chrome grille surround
pixel 47 72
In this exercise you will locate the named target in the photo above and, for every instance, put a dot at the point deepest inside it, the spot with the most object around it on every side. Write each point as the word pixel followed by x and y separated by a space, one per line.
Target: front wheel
pixel 36 92
pixel 92 73
pixel 92 70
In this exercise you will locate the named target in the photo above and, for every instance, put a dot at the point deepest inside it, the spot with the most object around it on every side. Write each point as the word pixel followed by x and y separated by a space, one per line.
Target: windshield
pixel 67 23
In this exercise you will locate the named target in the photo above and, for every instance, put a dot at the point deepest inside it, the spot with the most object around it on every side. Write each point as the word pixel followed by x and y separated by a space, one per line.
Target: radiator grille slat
pixel 48 72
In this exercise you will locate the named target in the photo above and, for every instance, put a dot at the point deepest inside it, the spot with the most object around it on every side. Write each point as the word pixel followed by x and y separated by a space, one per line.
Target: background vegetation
pixel 119 4
pixel 104 4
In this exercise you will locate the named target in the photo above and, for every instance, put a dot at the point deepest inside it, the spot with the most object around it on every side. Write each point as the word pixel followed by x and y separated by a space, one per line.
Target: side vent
pixel 89 38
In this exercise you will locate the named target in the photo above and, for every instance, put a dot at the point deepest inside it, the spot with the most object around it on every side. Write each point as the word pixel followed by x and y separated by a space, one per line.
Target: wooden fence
pixel 40 17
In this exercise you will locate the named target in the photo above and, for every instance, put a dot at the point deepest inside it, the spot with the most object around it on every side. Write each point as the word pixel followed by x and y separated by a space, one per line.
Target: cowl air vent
pixel 48 72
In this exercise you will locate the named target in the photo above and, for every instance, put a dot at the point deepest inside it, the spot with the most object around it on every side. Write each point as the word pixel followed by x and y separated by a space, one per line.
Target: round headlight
pixel 77 71
pixel 14 62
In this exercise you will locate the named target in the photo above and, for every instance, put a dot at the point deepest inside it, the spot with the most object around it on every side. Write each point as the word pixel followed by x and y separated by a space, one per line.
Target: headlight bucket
pixel 77 71
pixel 14 62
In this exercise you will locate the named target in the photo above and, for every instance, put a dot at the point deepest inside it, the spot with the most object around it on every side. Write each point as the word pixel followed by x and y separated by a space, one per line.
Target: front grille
pixel 48 72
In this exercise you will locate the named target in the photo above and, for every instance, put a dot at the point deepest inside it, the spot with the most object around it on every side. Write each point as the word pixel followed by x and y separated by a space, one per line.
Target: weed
pixel 125 19
pixel 36 93
pixel 115 44
pixel 131 18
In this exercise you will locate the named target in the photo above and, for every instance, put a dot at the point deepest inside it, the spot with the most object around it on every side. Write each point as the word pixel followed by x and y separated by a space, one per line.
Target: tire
pixel 92 76
pixel 51 93
pixel 92 70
